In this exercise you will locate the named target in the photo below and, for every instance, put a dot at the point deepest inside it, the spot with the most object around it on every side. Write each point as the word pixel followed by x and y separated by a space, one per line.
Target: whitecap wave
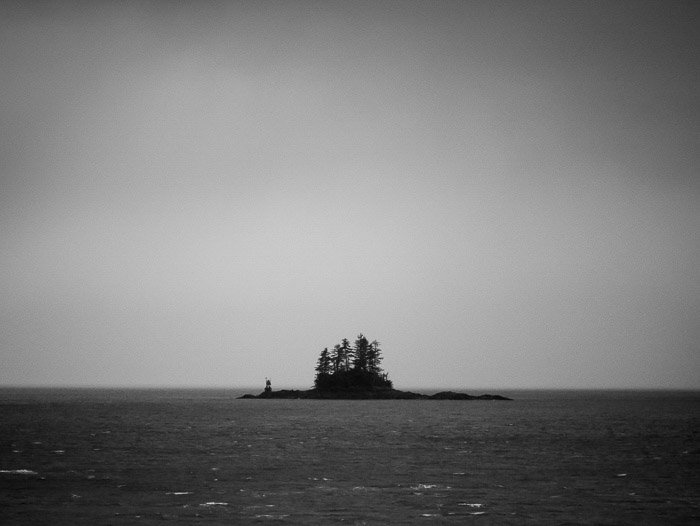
pixel 214 504
pixel 18 471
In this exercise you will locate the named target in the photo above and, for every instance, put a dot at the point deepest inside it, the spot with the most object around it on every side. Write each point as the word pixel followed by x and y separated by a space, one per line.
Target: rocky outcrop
pixel 367 394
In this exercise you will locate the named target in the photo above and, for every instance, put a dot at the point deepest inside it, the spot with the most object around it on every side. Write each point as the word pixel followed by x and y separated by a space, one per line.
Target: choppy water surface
pixel 190 457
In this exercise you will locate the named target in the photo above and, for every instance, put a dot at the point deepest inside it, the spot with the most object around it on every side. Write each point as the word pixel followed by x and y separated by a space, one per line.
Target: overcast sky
pixel 505 194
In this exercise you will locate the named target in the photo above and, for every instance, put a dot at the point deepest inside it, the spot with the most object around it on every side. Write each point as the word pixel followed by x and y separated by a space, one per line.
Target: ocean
pixel 80 456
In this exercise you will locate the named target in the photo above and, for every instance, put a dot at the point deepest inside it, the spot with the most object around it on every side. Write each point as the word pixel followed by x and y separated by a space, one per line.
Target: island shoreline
pixel 365 394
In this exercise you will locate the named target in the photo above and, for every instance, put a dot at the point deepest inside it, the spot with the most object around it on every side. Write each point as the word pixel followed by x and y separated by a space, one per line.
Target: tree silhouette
pixel 348 353
pixel 333 370
pixel 361 349
pixel 323 367
pixel 374 358
pixel 337 358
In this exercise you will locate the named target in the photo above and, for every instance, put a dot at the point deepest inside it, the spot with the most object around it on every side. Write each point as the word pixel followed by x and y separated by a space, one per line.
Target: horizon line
pixel 297 387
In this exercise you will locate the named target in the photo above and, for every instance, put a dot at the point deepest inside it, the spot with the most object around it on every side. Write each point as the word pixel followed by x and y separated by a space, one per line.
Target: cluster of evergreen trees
pixel 348 367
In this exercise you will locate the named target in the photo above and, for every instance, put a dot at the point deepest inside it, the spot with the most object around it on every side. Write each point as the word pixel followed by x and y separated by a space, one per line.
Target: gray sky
pixel 205 194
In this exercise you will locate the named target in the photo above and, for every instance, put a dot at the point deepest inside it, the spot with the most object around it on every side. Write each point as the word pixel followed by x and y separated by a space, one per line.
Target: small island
pixel 353 372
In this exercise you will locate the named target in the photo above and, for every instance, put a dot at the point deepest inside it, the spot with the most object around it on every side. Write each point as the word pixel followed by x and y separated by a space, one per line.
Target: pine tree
pixel 323 368
pixel 337 358
pixel 361 348
pixel 374 358
pixel 347 353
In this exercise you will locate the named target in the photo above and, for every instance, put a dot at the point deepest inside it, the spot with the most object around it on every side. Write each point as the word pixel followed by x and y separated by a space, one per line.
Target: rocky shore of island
pixel 366 394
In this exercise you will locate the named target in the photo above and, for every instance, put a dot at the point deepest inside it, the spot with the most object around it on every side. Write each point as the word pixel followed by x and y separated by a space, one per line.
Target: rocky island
pixel 353 372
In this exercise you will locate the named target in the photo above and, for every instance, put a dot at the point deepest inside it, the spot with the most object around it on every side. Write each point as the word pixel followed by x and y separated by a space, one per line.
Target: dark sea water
pixel 203 457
